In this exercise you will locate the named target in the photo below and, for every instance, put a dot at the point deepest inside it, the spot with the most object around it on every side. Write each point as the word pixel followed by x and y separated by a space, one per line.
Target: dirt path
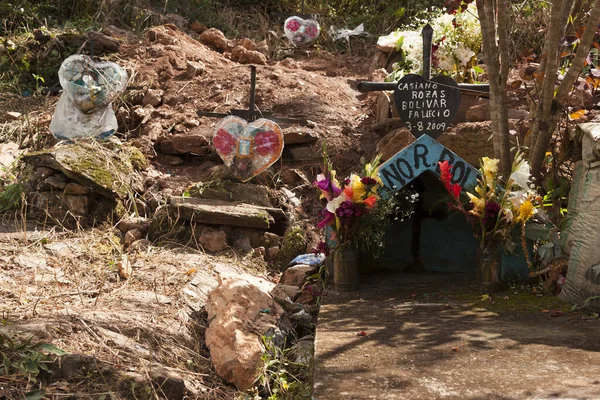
pixel 434 337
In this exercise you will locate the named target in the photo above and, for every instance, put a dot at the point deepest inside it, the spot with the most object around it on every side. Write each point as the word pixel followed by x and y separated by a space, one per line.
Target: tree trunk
pixel 551 113
pixel 497 62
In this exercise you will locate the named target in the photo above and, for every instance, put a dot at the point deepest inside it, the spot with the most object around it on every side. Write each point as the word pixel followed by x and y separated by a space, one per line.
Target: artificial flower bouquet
pixel 358 209
pixel 495 209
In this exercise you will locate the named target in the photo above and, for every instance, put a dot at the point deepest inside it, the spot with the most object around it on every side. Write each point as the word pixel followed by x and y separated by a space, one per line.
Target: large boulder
pixel 110 172
pixel 240 310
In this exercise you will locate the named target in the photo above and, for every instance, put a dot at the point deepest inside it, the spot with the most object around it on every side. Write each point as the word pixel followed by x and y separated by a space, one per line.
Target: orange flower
pixel 349 192
pixel 370 201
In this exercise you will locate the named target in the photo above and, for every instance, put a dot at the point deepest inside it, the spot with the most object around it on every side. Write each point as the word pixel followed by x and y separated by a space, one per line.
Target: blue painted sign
pixel 423 155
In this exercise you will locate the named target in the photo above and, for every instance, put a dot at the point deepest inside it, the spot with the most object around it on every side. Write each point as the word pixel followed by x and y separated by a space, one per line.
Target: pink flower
pixel 266 143
pixel 224 142
pixel 293 25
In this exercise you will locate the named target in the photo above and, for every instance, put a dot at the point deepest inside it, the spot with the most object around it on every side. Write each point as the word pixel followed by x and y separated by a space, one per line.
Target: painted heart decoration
pixel 248 149
pixel 427 106
pixel 91 85
pixel 301 31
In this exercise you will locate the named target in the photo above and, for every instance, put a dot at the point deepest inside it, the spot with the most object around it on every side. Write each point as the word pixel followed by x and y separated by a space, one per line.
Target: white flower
pixel 518 197
pixel 463 54
pixel 520 176
pixel 335 203
pixel 508 215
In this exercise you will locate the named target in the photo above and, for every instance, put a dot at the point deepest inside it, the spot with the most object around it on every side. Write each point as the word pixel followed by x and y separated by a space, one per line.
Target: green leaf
pixel 478 69
pixel 35 395
pixel 50 348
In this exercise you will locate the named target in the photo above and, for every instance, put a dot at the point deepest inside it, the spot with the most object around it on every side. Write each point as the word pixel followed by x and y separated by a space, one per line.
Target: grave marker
pixel 427 106
pixel 423 155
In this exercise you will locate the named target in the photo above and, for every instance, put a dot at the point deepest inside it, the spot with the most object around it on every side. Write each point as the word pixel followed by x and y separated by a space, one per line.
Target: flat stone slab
pixel 218 212
pixel 429 337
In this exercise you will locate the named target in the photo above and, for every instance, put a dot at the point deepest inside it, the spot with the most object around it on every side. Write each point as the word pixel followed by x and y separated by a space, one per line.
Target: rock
pixel 111 173
pixel 248 44
pixel 393 142
pixel 185 144
pixel 125 269
pixel 232 191
pixel 215 38
pixel 139 246
pixel 77 205
pixel 9 152
pixel 259 252
pixel 481 112
pixel 297 274
pixel 471 140
pixel 272 253
pixel 168 383
pixel 243 245
pixel 284 292
pixel 245 56
pixel 303 350
pixel 75 189
pixel 103 42
pixel 382 107
pixel 271 239
pixel 294 244
pixel 304 153
pixel 172 160
pixel 216 212
pixel 294 135
pixel 162 35
pixel 198 27
pixel 131 236
pixel 153 130
pixel 307 297
pixel 240 312
pixel 153 97
pixel 12 115
pixel 130 223
pixel 193 68
pixel 294 177
pixel 43 172
pixel 213 240
pixel 57 181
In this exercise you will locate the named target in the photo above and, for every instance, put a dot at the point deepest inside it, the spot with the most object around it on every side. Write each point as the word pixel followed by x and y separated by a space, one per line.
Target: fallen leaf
pixel 191 271
pixel 361 333
pixel 455 349
pixel 556 313
pixel 577 114
pixel 545 311
pixel 506 298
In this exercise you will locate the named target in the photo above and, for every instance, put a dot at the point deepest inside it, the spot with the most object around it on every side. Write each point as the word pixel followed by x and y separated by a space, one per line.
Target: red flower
pixel 266 143
pixel 370 201
pixel 445 173
pixel 293 25
pixel 349 192
pixel 224 142
pixel 456 189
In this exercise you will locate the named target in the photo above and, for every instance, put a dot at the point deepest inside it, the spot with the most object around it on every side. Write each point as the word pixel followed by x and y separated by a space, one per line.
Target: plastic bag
pixel 89 88
pixel 344 33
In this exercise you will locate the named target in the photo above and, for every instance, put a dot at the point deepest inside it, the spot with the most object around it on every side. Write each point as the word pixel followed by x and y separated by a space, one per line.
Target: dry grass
pixel 64 287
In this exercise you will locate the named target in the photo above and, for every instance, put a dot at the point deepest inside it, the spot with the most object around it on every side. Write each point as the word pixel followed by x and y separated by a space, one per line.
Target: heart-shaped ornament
pixel 301 31
pixel 427 106
pixel 248 149
pixel 91 85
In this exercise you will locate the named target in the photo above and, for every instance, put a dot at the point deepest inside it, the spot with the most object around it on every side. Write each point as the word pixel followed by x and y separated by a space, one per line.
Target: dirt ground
pixel 433 336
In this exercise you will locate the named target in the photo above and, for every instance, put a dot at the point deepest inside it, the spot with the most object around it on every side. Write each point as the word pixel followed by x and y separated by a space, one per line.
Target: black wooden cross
pixel 427 106
pixel 251 114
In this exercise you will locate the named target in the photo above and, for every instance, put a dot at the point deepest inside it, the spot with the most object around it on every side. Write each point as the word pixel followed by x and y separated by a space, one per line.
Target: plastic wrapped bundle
pixel 89 88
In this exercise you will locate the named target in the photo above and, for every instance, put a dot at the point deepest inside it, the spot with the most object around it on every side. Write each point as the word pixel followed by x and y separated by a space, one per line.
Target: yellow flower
pixel 478 203
pixel 358 188
pixel 490 165
pixel 526 210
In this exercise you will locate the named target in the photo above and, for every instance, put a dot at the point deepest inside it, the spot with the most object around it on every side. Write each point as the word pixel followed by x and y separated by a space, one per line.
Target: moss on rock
pixel 294 244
